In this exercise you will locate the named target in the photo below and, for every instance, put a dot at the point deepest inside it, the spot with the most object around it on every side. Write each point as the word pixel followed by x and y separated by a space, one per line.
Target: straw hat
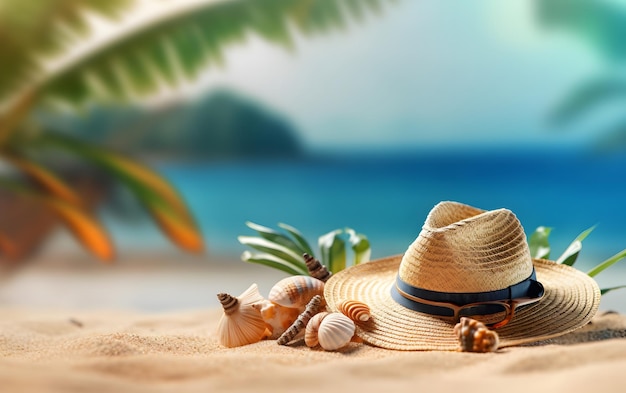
pixel 464 255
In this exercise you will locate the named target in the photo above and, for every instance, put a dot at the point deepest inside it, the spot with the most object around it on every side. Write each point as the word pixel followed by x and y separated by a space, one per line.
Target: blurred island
pixel 219 125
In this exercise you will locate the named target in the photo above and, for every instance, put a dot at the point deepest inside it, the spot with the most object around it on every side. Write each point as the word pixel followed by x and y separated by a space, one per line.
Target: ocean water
pixel 387 196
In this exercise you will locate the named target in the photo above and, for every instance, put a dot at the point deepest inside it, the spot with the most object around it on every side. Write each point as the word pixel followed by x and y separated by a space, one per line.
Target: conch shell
pixel 277 318
pixel 241 322
pixel 299 325
pixel 355 310
pixel 312 329
pixel 474 336
pixel 335 331
pixel 315 268
pixel 296 291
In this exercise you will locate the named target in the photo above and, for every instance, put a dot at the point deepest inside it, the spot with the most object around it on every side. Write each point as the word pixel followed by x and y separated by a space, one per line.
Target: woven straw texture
pixel 570 301
pixel 464 249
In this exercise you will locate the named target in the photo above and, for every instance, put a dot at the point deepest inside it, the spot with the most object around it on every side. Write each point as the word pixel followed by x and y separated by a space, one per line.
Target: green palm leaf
pixel 159 197
pixel 179 46
pixel 30 30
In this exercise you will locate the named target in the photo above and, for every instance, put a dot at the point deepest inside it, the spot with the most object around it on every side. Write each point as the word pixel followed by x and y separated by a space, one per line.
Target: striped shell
pixel 355 310
pixel 241 322
pixel 335 331
pixel 312 328
pixel 315 268
pixel 296 291
pixel 474 336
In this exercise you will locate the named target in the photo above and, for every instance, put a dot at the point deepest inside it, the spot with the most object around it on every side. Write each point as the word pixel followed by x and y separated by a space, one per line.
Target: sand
pixel 108 351
pixel 62 329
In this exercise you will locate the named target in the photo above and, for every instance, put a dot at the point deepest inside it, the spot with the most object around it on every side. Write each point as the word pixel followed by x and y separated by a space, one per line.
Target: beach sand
pixel 63 351
pixel 63 329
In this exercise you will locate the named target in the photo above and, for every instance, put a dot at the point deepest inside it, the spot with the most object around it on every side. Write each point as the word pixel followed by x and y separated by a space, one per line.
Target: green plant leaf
pixel 275 249
pixel 539 244
pixel 592 94
pixel 276 237
pixel 272 261
pixel 180 45
pixel 607 290
pixel 333 251
pixel 300 240
pixel 33 29
pixel 360 246
pixel 570 255
pixel 607 263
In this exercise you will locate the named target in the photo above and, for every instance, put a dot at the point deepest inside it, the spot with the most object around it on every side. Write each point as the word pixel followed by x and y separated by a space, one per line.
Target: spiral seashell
pixel 355 310
pixel 296 291
pixel 474 336
pixel 315 268
pixel 241 322
pixel 312 308
pixel 335 331
pixel 277 318
pixel 312 328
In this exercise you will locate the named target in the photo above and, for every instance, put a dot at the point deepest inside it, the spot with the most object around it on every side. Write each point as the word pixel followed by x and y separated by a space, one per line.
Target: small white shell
pixel 312 328
pixel 241 322
pixel 296 291
pixel 355 310
pixel 335 331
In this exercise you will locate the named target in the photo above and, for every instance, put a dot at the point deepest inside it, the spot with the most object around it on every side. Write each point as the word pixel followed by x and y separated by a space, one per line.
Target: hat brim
pixel 570 301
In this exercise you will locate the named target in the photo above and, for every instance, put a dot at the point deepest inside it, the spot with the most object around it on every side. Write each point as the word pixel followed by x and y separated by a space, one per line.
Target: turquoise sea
pixel 388 195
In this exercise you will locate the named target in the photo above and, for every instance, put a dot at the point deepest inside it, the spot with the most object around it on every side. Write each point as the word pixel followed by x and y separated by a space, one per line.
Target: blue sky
pixel 425 73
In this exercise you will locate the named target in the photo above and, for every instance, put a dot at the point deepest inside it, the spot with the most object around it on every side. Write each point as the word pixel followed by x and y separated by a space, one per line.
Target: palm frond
pixel 179 46
pixel 29 30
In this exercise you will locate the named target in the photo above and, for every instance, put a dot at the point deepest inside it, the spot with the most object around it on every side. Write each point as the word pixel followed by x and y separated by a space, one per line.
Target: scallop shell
pixel 474 336
pixel 241 322
pixel 277 318
pixel 355 310
pixel 296 291
pixel 312 328
pixel 335 331
pixel 315 268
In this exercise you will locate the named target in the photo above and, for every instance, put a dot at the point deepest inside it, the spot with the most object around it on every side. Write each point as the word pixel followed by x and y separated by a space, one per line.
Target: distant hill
pixel 220 125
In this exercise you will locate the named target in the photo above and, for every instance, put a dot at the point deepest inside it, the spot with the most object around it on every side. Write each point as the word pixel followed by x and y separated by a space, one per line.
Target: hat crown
pixel 462 249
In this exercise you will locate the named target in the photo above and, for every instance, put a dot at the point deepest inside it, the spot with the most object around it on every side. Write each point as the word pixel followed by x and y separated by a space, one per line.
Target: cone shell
pixel 474 336
pixel 315 268
pixel 355 310
pixel 296 291
pixel 312 329
pixel 277 318
pixel 241 322
pixel 335 331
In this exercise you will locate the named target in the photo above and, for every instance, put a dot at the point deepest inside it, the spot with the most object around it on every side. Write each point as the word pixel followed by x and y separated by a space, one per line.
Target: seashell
pixel 312 328
pixel 277 318
pixel 241 323
pixel 335 331
pixel 296 291
pixel 315 268
pixel 474 336
pixel 355 310
pixel 311 309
